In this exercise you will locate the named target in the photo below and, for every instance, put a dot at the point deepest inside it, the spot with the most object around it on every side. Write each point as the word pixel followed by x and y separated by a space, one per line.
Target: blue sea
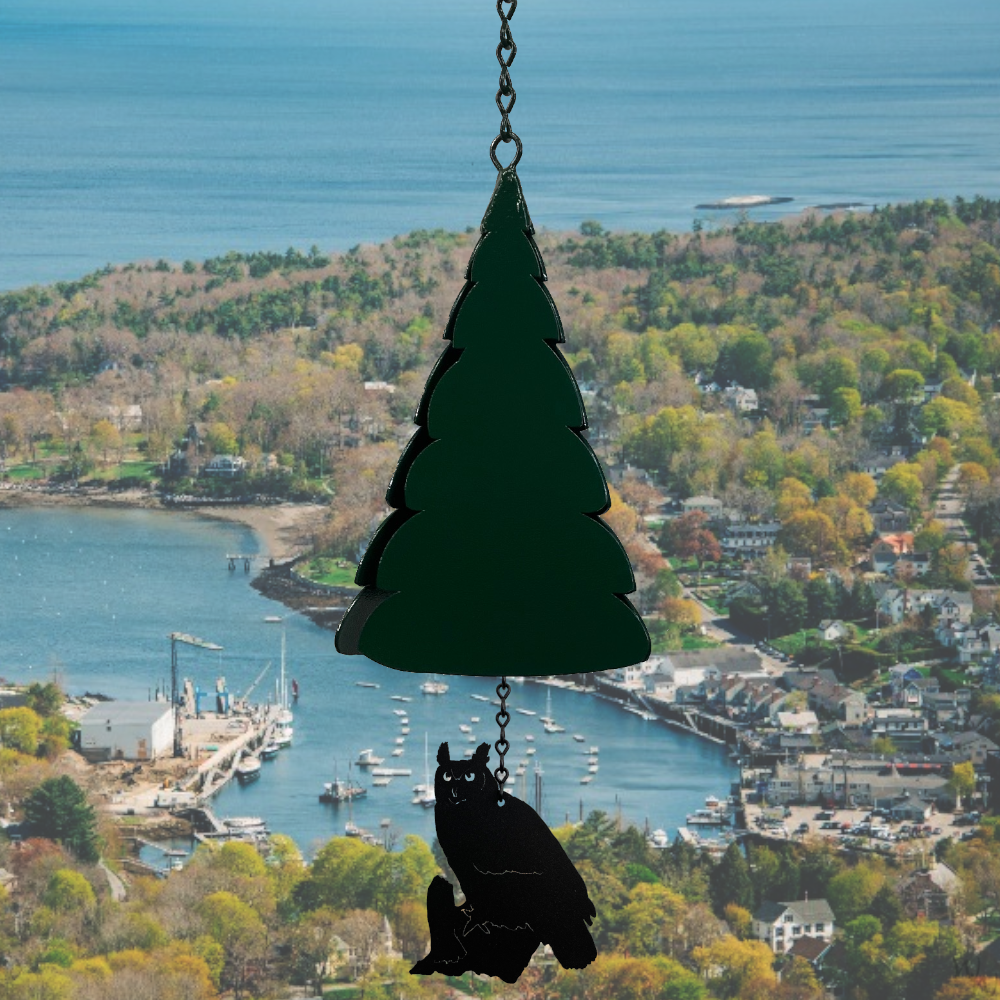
pixel 183 129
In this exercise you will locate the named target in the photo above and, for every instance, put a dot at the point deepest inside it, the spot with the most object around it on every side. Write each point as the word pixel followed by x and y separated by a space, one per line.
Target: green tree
pixel 58 809
pixel 19 728
pixel 68 891
pixel 788 607
pixel 239 930
pixel 45 699
pixel 851 892
pixel 845 407
pixel 730 881
pixel 902 483
pixel 105 437
pixel 903 386
pixel 447 568
pixel 822 599
pixel 748 360
pixel 838 373
pixel 962 781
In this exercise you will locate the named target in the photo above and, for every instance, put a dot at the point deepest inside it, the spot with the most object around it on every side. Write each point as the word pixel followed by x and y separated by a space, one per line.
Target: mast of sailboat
pixel 284 692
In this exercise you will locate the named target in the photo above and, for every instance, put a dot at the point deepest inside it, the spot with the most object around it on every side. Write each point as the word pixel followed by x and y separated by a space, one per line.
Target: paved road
pixel 949 509
pixel 117 886
pixel 718 627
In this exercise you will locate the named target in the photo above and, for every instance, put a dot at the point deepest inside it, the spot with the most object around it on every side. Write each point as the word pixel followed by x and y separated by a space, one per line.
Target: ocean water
pixel 184 129
pixel 91 596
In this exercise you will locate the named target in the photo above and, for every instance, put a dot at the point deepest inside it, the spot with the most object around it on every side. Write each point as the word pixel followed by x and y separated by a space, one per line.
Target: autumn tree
pixel 688 537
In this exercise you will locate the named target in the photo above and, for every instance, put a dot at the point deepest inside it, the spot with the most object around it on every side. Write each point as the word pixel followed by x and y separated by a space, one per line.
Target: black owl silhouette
pixel 520 887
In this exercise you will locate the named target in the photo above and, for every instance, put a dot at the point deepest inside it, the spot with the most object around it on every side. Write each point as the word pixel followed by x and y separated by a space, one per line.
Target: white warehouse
pixel 127 730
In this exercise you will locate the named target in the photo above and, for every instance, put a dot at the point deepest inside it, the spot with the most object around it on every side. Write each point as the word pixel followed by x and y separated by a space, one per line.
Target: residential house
pixel 798 722
pixel 741 400
pixel 900 675
pixel 949 709
pixel 694 674
pixel 707 505
pixel 888 549
pixel 749 540
pixel 225 466
pixel 905 727
pixel 970 642
pixel 932 388
pixel 814 417
pixel 843 703
pixel 911 565
pixel 878 465
pixel 832 630
pixel 915 691
pixel 125 418
pixel 782 924
pixel 948 606
pixel 889 517
pixel 927 894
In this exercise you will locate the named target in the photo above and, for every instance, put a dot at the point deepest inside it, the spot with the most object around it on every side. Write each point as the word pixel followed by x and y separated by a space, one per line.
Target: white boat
pixel 273 619
pixel 381 782
pixel 659 840
pixel 707 817
pixel 405 730
pixel 586 779
pixel 520 770
pixel 594 750
pixel 578 737
pixel 426 797
pixel 593 760
pixel 472 738
pixel 367 758
pixel 248 769
pixel 463 728
pixel 400 712
pixel 552 727
pixel 525 711
pixel 351 830
pixel 530 751
pixel 398 752
pixel 269 751
pixel 365 684
pixel 404 720
pixel 400 697
pixel 284 716
pixel 474 718
pixel 282 738
pixel 392 772
pixel 400 741
pixel 593 768
pixel 480 697
pixel 468 753
pixel 244 823
pixel 529 738
pixel 434 687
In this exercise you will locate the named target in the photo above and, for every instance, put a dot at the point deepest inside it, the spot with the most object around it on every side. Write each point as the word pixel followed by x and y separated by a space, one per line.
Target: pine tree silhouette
pixel 494 559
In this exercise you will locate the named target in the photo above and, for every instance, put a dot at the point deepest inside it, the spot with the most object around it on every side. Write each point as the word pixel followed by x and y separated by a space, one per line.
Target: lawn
pixel 330 570
pixel 19 473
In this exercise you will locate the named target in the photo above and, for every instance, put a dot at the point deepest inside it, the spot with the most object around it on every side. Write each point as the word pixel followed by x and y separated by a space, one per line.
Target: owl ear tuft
pixel 482 754
pixel 444 757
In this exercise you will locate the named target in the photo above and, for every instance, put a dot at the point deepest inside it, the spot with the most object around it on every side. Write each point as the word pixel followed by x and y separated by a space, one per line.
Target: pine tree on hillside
pixel 494 559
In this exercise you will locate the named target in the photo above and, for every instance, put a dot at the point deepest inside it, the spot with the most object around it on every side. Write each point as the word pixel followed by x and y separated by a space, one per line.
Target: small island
pixel 744 201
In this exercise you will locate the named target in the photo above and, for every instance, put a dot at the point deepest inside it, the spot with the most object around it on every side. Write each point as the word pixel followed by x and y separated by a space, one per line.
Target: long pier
pixel 214 773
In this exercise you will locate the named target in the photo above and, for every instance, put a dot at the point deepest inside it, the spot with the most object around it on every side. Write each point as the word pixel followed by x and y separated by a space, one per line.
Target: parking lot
pixel 857 829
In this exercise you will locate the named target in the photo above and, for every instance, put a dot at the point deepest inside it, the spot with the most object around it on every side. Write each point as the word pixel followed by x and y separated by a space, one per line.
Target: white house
pixel 226 466
pixel 782 924
pixel 831 631
pixel 707 505
pixel 798 722
pixel 126 730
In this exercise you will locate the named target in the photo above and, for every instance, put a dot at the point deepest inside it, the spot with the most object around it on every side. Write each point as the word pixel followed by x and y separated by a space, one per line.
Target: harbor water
pixel 91 595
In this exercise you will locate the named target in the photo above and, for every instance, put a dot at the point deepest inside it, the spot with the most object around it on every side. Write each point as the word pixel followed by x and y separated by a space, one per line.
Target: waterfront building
pixel 126 730
pixel 782 924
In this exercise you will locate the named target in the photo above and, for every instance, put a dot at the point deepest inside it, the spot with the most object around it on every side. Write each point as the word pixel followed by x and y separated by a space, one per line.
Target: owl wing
pixel 512 867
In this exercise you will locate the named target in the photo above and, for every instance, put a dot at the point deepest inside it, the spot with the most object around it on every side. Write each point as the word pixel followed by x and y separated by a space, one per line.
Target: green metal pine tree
pixel 494 560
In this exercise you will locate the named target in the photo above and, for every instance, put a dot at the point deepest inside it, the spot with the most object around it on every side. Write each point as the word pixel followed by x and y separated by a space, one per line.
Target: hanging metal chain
pixel 502 745
pixel 506 85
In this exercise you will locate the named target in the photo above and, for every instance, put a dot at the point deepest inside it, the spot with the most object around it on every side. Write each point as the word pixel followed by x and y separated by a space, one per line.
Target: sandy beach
pixel 286 530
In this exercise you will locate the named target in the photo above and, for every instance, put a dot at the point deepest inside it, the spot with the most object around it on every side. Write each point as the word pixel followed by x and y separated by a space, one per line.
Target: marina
pixel 345 705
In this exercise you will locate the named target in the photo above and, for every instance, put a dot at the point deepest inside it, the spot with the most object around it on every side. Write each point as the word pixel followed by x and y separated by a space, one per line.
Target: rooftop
pixel 124 713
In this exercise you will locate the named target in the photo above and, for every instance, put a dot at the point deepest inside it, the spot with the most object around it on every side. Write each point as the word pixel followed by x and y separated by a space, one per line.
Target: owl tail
pixel 572 945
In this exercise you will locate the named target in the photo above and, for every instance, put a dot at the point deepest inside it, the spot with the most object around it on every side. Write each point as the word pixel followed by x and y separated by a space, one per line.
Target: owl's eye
pixel 470 776
pixel 446 776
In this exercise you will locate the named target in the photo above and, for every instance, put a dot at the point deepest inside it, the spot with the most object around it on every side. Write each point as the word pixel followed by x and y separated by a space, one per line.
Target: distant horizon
pixel 182 132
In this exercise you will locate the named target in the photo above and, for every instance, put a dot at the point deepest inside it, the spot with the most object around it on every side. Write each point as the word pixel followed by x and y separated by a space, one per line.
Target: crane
pixel 259 678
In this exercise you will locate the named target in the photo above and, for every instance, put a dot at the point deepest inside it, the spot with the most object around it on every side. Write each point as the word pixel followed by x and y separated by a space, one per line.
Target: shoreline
pixel 285 530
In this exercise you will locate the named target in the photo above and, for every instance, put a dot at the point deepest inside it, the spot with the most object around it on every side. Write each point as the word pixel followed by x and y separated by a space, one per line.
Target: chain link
pixel 506 89
pixel 503 717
